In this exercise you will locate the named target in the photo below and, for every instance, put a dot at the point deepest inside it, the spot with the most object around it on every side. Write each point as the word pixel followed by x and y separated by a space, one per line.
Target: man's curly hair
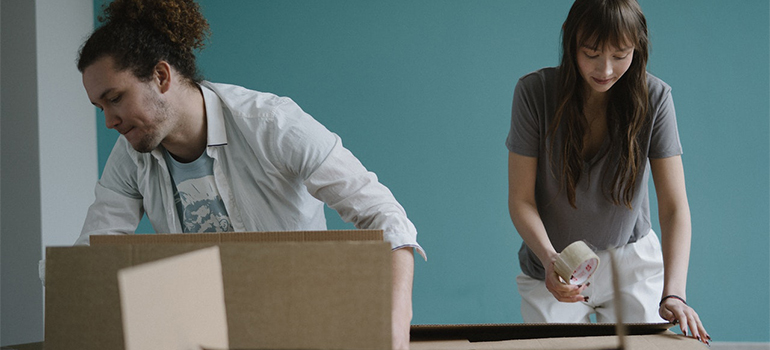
pixel 138 34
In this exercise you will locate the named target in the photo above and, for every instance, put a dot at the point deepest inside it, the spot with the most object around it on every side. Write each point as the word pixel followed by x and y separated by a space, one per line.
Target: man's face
pixel 134 108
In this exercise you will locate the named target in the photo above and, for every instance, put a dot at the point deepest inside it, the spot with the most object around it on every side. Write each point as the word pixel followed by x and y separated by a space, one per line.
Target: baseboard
pixel 739 346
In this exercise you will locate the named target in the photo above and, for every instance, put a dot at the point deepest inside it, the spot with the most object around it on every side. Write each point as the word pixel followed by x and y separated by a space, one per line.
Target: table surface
pixel 28 346
pixel 643 342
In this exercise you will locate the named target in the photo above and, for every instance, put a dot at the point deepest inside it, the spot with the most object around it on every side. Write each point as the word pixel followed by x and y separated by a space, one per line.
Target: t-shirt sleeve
pixel 524 135
pixel 664 141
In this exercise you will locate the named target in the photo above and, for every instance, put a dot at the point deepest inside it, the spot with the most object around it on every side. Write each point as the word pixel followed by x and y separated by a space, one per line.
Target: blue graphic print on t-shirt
pixel 202 207
pixel 197 199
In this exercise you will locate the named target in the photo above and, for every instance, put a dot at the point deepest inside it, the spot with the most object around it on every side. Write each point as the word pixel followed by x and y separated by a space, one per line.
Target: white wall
pixel 48 163
pixel 67 121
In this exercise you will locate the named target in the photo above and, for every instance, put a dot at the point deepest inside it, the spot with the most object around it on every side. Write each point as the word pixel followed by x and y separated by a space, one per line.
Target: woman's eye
pixel 591 56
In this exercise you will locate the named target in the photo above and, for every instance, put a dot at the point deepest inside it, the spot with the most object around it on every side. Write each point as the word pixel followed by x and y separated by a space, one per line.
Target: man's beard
pixel 152 138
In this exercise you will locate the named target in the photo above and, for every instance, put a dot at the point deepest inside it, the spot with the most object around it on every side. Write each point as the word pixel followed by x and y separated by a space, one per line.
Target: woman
pixel 582 137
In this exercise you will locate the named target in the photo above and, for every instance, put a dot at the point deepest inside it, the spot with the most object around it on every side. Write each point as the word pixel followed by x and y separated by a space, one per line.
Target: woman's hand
pixel 676 311
pixel 568 293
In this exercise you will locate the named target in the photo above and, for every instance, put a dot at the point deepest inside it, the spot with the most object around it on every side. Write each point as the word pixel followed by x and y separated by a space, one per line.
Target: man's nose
pixel 111 119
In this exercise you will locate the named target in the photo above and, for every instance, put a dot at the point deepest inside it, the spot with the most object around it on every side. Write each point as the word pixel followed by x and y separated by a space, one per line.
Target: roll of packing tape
pixel 576 263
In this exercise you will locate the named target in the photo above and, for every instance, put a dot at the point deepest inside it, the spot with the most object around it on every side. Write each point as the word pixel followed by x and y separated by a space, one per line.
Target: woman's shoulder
pixel 541 76
pixel 541 82
pixel 657 87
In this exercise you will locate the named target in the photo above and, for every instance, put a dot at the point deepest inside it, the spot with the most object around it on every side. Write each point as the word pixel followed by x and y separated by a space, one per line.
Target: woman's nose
pixel 606 67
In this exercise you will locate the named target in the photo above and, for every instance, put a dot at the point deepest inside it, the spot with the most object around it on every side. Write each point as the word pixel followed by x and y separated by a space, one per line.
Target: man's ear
pixel 162 76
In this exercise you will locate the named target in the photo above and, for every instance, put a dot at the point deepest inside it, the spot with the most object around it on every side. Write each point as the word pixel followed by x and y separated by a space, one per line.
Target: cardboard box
pixel 282 290
pixel 548 337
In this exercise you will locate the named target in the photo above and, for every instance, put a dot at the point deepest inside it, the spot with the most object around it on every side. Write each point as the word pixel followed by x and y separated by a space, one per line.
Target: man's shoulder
pixel 243 100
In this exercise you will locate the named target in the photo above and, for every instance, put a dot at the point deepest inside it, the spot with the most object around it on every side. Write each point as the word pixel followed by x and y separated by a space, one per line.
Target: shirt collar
pixel 215 118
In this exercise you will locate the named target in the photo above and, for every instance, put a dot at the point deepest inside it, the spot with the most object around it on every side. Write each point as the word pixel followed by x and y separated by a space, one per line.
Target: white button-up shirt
pixel 274 166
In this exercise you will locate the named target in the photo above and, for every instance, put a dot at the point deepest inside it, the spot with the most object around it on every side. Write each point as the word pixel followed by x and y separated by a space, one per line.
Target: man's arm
pixel 111 213
pixel 117 206
pixel 403 274
pixel 346 186
pixel 343 183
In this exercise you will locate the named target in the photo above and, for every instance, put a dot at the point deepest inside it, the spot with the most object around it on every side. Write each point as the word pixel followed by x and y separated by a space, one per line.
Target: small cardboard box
pixel 548 337
pixel 282 290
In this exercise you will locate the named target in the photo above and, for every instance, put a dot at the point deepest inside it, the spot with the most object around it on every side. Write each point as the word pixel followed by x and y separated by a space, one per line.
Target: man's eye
pixel 116 99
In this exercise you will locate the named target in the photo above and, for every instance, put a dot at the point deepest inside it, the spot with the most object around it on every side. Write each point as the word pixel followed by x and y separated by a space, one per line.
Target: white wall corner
pixel 68 147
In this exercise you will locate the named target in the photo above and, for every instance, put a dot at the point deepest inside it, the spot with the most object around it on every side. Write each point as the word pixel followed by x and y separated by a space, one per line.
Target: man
pixel 204 157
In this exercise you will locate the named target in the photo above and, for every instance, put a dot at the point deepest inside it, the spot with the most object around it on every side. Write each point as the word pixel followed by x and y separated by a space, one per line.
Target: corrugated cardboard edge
pixel 513 331
pixel 663 341
pixel 269 236
pixel 26 346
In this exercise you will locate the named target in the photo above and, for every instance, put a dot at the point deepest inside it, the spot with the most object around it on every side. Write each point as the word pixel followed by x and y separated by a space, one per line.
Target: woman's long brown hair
pixel 595 23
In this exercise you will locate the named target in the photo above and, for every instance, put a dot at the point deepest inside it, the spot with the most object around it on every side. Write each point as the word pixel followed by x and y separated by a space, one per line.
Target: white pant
pixel 640 266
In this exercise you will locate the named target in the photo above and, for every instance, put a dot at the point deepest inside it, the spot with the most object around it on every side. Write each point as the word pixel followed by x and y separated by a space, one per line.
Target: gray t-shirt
pixel 197 199
pixel 597 220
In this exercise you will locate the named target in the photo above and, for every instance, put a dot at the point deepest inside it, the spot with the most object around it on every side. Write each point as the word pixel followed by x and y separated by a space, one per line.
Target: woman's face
pixel 602 67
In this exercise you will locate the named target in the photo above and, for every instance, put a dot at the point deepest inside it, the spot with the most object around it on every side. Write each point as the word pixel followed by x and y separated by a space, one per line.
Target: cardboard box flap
pixel 174 303
pixel 497 332
pixel 216 238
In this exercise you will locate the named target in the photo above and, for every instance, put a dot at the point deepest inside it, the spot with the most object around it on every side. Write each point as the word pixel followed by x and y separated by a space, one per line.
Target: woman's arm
pixel 676 231
pixel 522 171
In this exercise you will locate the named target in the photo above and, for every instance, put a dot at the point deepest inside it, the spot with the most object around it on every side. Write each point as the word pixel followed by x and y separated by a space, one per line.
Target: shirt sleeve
pixel 524 135
pixel 664 141
pixel 117 207
pixel 301 148
pixel 110 214
pixel 344 184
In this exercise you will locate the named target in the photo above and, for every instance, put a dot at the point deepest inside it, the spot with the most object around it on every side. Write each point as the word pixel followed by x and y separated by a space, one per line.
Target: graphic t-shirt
pixel 197 199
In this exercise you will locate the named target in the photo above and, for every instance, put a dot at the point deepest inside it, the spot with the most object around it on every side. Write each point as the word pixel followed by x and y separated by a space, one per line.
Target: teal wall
pixel 421 91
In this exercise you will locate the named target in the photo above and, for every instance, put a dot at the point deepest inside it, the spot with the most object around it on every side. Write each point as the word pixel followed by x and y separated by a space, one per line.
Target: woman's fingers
pixel 676 311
